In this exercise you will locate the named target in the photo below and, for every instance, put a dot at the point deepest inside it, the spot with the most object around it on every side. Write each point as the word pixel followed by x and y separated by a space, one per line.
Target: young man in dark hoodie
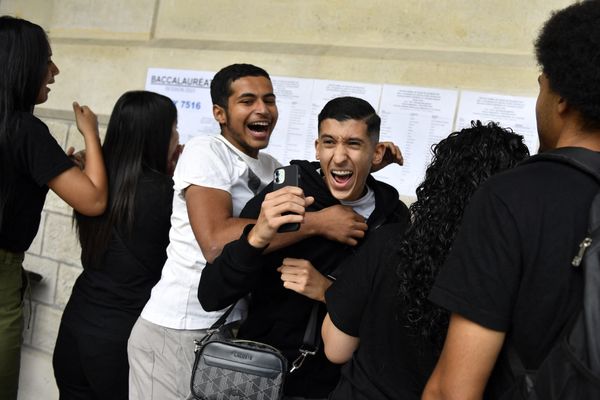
pixel 286 283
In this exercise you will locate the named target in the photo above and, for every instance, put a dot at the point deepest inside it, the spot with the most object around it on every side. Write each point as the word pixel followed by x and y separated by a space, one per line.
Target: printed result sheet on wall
pixel 415 118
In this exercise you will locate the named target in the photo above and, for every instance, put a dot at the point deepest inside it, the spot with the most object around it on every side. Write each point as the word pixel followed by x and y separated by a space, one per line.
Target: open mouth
pixel 341 176
pixel 259 127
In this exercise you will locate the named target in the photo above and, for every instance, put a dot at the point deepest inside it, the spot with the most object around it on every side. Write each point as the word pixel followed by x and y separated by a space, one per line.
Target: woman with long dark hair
pixel 31 162
pixel 123 250
pixel 379 320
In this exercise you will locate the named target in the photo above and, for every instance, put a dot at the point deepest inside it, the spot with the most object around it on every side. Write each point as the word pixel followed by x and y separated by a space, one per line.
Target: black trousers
pixel 88 367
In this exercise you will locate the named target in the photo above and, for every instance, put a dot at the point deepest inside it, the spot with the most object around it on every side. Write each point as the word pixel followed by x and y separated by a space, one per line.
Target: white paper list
pixel 291 139
pixel 190 91
pixel 414 118
pixel 515 112
pixel 299 102
pixel 325 90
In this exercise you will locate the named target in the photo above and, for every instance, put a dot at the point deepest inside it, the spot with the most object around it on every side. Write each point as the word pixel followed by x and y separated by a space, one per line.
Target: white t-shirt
pixel 363 206
pixel 210 162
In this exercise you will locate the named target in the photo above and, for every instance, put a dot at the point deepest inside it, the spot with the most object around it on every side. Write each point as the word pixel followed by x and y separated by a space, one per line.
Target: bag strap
pixel 221 321
pixel 587 161
pixel 310 342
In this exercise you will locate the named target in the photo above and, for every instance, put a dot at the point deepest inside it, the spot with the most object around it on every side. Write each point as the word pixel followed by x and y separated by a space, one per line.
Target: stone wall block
pixel 75 138
pixel 45 290
pixel 56 204
pixel 60 240
pixel 67 276
pixel 36 245
pixel 36 380
pixel 46 323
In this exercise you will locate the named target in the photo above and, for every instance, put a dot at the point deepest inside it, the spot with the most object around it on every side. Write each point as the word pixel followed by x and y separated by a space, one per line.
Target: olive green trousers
pixel 12 284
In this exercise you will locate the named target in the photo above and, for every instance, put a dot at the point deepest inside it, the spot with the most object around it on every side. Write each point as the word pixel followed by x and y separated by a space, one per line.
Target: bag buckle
pixel 199 343
pixel 304 351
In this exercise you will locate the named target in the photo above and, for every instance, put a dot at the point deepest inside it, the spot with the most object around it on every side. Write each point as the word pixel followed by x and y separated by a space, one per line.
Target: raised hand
pixel 391 155
pixel 302 277
pixel 341 224
pixel 86 120
pixel 286 205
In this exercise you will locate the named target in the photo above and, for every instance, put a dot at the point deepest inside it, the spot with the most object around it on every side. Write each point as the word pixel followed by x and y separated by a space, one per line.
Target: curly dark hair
pixel 460 163
pixel 568 52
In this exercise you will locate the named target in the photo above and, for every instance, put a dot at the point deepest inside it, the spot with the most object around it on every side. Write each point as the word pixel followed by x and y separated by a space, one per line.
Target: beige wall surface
pixel 104 47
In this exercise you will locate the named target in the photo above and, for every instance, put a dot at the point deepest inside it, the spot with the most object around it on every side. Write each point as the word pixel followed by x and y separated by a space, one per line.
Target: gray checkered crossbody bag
pixel 227 368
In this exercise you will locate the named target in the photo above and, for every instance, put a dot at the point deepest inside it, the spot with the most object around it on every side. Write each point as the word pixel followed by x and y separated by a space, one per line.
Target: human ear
pixel 378 153
pixel 317 149
pixel 220 114
pixel 562 106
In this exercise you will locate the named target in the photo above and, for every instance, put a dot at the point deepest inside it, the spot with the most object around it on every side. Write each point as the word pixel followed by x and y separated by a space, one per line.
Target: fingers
pixel 393 154
pixel 302 277
pixel 289 199
pixel 70 151
pixel 81 110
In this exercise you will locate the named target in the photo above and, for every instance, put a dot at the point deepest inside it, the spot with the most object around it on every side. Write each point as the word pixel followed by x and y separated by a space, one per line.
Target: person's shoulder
pixel 382 187
pixel 29 123
pixel 205 150
pixel 156 179
pixel 530 177
pixel 267 158
pixel 204 143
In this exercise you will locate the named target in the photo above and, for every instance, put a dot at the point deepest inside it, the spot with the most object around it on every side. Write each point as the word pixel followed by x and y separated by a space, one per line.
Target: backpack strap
pixel 585 160
pixel 588 162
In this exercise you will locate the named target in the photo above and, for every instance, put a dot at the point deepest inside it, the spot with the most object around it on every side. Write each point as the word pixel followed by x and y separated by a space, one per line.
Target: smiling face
pixel 346 153
pixel 251 114
pixel 51 72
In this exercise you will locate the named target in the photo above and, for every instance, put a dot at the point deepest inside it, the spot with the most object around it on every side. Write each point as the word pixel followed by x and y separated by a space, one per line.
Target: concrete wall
pixel 104 47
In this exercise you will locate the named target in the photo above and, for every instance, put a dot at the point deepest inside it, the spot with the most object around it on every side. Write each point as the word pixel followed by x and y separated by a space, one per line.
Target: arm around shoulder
pixel 231 276
pixel 210 214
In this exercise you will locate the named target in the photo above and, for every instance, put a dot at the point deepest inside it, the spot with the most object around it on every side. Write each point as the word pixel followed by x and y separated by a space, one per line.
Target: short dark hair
pixel 345 108
pixel 568 51
pixel 220 86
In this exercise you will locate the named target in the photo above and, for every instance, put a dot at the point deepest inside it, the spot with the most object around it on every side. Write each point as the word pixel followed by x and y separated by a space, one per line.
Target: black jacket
pixel 276 315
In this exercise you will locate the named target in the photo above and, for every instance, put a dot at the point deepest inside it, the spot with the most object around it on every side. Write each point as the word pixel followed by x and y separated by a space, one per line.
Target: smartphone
pixel 287 176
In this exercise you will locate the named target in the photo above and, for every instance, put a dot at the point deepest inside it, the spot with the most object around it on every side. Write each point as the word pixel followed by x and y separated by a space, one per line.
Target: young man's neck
pixel 250 152
pixel 579 137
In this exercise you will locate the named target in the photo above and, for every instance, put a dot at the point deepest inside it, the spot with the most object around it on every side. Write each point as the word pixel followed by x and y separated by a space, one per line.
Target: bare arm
pixel 466 362
pixel 339 346
pixel 85 190
pixel 338 223
pixel 210 214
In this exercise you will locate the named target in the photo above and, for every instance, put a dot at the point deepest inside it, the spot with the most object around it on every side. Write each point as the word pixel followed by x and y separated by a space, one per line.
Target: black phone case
pixel 291 178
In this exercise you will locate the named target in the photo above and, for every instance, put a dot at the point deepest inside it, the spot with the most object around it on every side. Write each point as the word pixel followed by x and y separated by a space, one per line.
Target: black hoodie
pixel 276 315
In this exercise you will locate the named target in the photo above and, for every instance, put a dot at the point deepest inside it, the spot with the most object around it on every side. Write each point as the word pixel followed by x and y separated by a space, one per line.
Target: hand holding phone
pixel 287 176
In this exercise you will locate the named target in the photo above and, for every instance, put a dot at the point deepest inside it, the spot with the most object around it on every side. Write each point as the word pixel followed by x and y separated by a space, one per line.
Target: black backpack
pixel 571 370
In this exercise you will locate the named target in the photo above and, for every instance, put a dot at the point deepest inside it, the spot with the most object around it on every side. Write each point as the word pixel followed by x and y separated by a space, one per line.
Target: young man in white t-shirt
pixel 214 179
